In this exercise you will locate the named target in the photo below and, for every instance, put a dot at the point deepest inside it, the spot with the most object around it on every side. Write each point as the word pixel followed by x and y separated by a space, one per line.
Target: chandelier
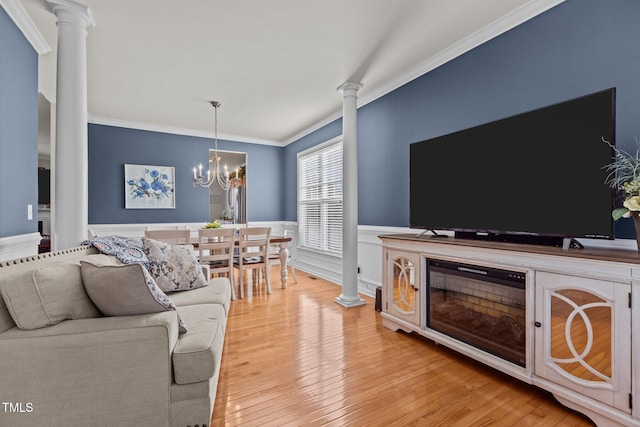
pixel 215 173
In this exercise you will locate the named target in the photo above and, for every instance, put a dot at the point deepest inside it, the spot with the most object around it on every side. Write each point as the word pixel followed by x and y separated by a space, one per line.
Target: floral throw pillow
pixel 173 267
pixel 129 251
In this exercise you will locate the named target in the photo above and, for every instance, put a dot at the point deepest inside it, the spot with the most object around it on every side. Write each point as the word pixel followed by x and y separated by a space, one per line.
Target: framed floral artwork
pixel 149 187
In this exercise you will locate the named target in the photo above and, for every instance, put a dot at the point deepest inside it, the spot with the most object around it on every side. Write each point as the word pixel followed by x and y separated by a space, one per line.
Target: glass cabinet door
pixel 580 334
pixel 403 296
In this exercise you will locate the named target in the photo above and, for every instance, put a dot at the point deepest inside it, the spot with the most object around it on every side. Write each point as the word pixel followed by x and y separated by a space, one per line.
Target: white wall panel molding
pixel 370 256
pixel 137 230
pixel 19 246
pixel 330 267
pixel 324 266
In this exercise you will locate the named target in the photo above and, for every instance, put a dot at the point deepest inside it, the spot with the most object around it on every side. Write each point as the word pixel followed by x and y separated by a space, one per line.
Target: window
pixel 320 197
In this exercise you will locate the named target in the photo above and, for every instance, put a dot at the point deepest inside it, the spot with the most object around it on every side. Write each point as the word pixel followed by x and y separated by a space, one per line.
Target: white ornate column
pixel 349 296
pixel 71 202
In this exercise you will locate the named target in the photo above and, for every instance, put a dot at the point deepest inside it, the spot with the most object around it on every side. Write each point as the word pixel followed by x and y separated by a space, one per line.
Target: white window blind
pixel 320 198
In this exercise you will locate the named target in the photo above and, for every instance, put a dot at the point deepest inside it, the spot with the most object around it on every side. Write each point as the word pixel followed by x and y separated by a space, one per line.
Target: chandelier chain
pixel 214 173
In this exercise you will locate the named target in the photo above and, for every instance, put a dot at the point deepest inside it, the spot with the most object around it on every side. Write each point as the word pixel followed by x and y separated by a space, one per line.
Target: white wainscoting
pixel 330 267
pixel 320 265
pixel 19 246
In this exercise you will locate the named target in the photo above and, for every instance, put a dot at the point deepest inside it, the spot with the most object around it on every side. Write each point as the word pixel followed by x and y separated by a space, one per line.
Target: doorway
pixel 230 206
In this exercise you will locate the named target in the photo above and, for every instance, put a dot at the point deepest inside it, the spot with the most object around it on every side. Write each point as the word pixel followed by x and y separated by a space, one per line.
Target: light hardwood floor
pixel 296 358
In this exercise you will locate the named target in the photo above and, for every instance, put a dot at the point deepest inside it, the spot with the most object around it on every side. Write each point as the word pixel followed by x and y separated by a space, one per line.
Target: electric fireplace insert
pixel 482 306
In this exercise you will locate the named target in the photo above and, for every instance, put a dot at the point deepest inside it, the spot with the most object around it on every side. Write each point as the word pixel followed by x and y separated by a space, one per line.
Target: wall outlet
pixel 29 212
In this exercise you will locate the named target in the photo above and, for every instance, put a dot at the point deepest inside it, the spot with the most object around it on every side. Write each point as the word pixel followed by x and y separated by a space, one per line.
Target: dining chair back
pixel 175 237
pixel 166 227
pixel 253 245
pixel 215 249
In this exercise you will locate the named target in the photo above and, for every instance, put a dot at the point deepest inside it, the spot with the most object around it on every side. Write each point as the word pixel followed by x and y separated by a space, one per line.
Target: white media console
pixel 566 316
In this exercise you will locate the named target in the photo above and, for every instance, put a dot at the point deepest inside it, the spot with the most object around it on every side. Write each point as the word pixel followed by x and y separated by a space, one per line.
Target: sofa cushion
pixel 102 259
pixel 197 353
pixel 48 295
pixel 174 267
pixel 218 292
pixel 123 290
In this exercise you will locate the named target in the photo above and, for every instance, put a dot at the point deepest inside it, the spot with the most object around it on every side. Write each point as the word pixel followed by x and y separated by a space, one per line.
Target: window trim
pixel 333 141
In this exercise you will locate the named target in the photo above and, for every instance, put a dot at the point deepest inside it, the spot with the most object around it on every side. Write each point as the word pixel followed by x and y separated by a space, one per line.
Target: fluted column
pixel 349 296
pixel 71 196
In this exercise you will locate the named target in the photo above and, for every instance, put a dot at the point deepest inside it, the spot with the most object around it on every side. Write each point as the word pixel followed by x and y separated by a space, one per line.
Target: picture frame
pixel 149 187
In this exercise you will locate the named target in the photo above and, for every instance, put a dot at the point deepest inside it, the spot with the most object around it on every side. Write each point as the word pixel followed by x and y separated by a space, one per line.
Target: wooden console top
pixel 600 254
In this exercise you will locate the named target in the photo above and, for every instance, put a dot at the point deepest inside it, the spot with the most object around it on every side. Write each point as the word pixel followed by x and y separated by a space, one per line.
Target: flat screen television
pixel 537 174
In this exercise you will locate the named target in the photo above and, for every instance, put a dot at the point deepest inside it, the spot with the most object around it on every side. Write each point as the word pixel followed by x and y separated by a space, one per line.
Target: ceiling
pixel 273 64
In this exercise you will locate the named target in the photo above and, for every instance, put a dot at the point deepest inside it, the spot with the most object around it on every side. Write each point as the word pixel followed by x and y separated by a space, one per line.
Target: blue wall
pixel 111 147
pixel 291 151
pixel 18 130
pixel 576 48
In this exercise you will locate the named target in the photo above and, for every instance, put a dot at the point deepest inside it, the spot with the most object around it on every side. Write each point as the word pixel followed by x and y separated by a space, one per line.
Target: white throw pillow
pixel 173 267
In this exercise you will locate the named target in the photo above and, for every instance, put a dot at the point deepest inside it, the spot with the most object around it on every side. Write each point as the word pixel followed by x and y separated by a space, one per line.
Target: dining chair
pixel 165 227
pixel 253 244
pixel 290 230
pixel 215 249
pixel 175 237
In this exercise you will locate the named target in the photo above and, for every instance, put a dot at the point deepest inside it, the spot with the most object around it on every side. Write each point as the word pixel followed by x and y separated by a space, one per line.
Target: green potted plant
pixel 624 176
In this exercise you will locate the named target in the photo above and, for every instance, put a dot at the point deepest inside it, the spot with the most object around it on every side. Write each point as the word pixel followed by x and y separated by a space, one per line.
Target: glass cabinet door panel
pixel 402 277
pixel 581 336
pixel 581 326
pixel 404 290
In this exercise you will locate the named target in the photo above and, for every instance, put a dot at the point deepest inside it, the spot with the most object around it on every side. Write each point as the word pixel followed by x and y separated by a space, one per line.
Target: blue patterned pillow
pixel 127 250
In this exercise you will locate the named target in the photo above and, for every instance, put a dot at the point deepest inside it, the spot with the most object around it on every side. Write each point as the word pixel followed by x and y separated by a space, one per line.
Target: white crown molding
pixel 496 28
pixel 19 16
pixel 178 131
pixel 323 122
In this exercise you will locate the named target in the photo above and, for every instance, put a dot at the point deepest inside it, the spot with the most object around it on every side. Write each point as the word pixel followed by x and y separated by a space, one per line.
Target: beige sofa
pixel 91 370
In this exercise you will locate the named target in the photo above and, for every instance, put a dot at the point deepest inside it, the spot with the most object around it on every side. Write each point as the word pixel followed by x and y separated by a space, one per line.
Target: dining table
pixel 283 253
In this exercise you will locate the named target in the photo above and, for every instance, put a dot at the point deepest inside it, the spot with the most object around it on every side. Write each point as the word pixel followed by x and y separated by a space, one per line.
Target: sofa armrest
pixel 206 270
pixel 101 371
